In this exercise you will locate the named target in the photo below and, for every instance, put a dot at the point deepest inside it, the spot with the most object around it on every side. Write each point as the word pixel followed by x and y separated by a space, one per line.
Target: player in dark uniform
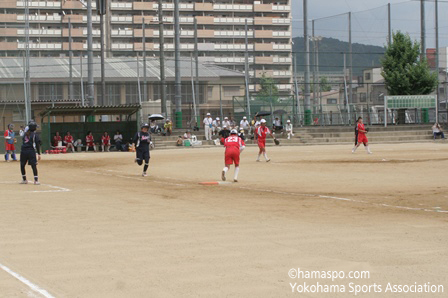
pixel 142 140
pixel 30 147
pixel 356 132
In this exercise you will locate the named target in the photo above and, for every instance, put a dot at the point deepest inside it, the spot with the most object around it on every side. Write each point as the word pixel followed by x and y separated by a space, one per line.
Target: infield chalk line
pixel 287 193
pixel 55 188
pixel 32 286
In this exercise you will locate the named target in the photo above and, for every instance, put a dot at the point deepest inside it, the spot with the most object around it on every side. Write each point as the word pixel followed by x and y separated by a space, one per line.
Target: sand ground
pixel 96 228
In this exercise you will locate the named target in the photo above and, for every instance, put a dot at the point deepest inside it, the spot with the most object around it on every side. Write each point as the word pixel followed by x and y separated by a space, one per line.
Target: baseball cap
pixel 208 114
pixel 144 125
pixel 244 118
pixel 226 118
pixel 233 131
pixel 288 121
pixel 217 118
pixel 263 121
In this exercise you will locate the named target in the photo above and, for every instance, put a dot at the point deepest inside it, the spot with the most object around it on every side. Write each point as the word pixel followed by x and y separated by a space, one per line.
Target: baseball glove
pixel 277 142
pixel 367 129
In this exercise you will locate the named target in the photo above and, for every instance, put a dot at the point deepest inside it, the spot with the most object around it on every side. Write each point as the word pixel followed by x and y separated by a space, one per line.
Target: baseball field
pixel 97 228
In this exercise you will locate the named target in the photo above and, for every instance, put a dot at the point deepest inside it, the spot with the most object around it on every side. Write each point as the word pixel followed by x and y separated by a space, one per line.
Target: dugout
pixel 128 125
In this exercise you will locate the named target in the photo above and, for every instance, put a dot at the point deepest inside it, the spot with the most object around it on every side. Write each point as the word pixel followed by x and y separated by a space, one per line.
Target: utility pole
pixel 296 88
pixel 103 81
pixel 437 57
pixel 27 86
pixel 90 79
pixel 70 86
pixel 307 106
pixel 82 81
pixel 350 60
pixel 193 93
pixel 145 79
pixel 177 83
pixel 246 70
pixel 389 24
pixel 196 58
pixel 162 60
pixel 423 28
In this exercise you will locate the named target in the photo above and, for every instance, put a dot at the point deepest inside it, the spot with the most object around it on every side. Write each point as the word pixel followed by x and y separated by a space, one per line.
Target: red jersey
pixel 262 132
pixel 89 139
pixel 361 127
pixel 68 139
pixel 56 140
pixel 233 142
pixel 106 140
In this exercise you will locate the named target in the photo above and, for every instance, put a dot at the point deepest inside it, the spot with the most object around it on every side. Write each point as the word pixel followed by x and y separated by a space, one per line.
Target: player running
pixel 142 140
pixel 30 147
pixel 362 138
pixel 234 146
pixel 262 132
pixel 9 143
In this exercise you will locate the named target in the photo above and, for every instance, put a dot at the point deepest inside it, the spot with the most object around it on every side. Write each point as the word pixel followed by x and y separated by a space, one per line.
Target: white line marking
pixel 32 286
pixel 55 188
pixel 289 194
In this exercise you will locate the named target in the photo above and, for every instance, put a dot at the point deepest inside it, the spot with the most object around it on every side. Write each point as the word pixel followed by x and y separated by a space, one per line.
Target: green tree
pixel 324 84
pixel 403 70
pixel 268 87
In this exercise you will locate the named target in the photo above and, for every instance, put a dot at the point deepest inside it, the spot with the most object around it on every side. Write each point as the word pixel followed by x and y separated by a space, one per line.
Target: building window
pixel 18 115
pixel 112 95
pixel 362 97
pixel 332 101
pixel 50 92
pixel 209 92
pixel 186 93
pixel 131 93
pixel 230 91
pixel 368 76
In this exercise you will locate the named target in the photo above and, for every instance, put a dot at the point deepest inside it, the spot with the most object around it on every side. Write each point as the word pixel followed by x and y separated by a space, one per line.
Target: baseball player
pixel 262 132
pixel 142 140
pixel 30 147
pixel 105 142
pixel 356 132
pixel 9 143
pixel 234 146
pixel 90 141
pixel 68 140
pixel 362 138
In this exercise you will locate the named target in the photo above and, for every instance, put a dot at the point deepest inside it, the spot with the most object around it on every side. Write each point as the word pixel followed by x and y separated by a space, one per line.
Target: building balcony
pixel 282 47
pixel 121 19
pixel 41 46
pixel 41 18
pixel 170 6
pixel 205 20
pixel 232 7
pixel 76 46
pixel 95 32
pixel 8 4
pixel 95 19
pixel 76 19
pixel 143 5
pixel 8 46
pixel 72 5
pixel 263 7
pixel 123 46
pixel 139 19
pixel 263 47
pixel 139 33
pixel 76 32
pixel 263 33
pixel 281 8
pixel 232 60
pixel 203 6
pixel 282 60
pixel 8 32
pixel 41 4
pixel 282 73
pixel 123 33
pixel 281 34
pixel 233 47
pixel 41 32
pixel 233 34
pixel 122 6
pixel 231 21
pixel 139 46
pixel 264 60
pixel 8 18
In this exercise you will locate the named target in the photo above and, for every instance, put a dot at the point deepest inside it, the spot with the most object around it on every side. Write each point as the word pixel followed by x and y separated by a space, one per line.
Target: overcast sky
pixel 369 21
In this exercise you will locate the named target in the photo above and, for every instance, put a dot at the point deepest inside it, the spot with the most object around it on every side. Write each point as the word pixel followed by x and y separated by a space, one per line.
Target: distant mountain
pixel 331 57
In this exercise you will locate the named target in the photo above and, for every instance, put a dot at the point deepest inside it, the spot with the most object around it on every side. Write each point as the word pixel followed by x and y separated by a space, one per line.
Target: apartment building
pixel 220 30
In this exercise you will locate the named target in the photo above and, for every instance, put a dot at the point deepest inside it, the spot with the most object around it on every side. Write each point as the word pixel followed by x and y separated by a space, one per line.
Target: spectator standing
pixel 208 127
pixel 244 125
pixel 68 141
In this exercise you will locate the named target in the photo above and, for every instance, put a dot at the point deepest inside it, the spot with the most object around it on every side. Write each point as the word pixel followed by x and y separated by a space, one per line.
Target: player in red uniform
pixel 262 132
pixel 362 138
pixel 234 146
pixel 68 140
pixel 90 141
pixel 56 139
pixel 10 140
pixel 105 142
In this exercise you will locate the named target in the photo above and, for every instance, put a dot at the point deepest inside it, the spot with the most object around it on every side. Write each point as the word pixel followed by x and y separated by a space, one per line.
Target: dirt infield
pixel 97 228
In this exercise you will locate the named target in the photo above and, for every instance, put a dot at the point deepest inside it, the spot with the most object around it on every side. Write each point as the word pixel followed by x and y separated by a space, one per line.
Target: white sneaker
pixel 144 174
pixel 268 160
pixel 36 183
pixel 24 182
pixel 257 160
pixel 369 152
pixel 223 176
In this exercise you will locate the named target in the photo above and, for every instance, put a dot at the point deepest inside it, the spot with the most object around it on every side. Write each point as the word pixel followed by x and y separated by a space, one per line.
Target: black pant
pixel 29 157
pixel 118 146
